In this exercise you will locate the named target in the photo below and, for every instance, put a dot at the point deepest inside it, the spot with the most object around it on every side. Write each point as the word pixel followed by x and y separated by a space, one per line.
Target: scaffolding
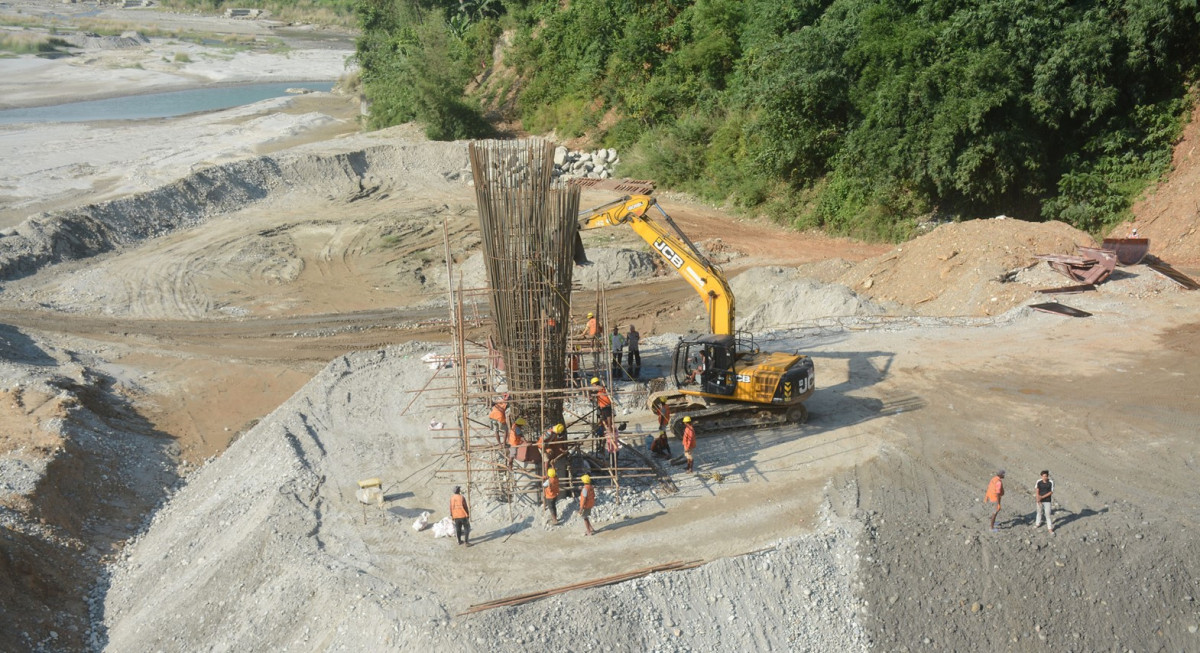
pixel 528 344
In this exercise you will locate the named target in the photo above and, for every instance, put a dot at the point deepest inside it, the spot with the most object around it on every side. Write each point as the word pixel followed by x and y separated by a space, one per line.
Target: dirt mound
pixel 1167 215
pixel 79 468
pixel 776 298
pixel 963 268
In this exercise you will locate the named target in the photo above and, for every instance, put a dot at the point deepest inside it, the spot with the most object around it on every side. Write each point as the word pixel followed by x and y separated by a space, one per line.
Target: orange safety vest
pixel 458 507
pixel 551 488
pixel 664 414
pixel 995 489
pixel 587 496
pixel 592 328
pixel 689 437
pixel 602 398
pixel 514 437
pixel 497 413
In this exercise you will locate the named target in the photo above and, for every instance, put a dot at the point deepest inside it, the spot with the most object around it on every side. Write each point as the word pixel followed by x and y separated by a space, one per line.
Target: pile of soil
pixel 964 269
pixel 1168 214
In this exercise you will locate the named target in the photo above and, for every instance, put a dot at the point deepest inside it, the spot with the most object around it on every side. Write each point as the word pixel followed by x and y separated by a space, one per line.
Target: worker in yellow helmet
pixel 689 441
pixel 592 328
pixel 587 499
pixel 516 438
pixel 550 494
pixel 604 409
pixel 551 445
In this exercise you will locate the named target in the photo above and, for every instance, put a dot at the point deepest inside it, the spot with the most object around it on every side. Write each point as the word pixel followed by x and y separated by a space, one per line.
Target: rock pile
pixel 92 41
pixel 584 165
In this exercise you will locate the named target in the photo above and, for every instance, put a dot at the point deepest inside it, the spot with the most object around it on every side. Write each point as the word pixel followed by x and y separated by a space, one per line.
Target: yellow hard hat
pixel 551 473
pixel 591 315
pixel 521 421
pixel 595 379
pixel 586 479
pixel 559 428
pixel 686 420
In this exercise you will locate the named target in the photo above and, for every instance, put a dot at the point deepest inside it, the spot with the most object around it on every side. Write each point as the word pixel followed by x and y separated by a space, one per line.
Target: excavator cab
pixel 705 364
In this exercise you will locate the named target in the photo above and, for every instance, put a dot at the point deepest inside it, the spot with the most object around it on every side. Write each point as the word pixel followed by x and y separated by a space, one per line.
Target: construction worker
pixel 592 328
pixel 587 499
pixel 461 516
pixel 616 343
pixel 659 447
pixel 604 409
pixel 995 493
pixel 689 441
pixel 698 371
pixel 516 438
pixel 634 362
pixel 499 417
pixel 573 364
pixel 663 411
pixel 550 492
pixel 546 444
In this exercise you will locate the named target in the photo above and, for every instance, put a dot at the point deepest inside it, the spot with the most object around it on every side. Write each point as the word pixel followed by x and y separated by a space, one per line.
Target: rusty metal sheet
pixel 1067 290
pixel 1060 309
pixel 1129 251
pixel 1094 266
pixel 1171 273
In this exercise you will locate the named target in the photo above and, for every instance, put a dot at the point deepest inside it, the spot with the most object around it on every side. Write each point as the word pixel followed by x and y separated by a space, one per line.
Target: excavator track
pixel 722 417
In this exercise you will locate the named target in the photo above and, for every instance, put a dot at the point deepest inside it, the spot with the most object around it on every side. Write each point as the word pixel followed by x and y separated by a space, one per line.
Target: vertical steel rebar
pixel 528 228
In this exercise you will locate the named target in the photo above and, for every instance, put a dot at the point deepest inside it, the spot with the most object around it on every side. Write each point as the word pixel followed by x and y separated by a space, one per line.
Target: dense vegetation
pixel 854 115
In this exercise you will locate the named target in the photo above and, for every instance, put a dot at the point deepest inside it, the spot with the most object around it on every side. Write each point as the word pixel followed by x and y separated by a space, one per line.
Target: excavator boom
pixel 675 248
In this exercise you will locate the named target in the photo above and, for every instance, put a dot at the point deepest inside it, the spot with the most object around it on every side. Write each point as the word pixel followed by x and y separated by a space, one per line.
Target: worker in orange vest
pixel 995 492
pixel 461 516
pixel 546 444
pixel 663 411
pixel 499 417
pixel 550 492
pixel 592 328
pixel 516 438
pixel 587 499
pixel 604 409
pixel 689 441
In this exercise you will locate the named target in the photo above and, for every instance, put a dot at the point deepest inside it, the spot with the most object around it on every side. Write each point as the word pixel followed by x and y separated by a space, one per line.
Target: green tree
pixel 415 68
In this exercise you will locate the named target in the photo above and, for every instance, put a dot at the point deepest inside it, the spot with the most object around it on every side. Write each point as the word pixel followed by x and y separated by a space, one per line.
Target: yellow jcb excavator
pixel 722 380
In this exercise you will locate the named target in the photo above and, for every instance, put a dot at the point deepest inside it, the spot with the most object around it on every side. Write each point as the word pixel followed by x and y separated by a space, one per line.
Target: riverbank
pixel 45 167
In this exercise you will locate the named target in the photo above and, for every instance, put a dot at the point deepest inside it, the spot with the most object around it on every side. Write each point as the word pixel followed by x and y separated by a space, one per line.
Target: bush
pixel 415 67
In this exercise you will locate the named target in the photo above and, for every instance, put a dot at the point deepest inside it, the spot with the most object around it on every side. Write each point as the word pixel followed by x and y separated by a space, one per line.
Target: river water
pixel 157 105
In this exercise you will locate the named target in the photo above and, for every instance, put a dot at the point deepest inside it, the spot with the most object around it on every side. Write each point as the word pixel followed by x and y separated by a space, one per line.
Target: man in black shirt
pixel 1042 492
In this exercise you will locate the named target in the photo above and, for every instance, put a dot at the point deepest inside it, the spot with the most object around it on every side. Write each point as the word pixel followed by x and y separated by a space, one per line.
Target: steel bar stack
pixel 528 228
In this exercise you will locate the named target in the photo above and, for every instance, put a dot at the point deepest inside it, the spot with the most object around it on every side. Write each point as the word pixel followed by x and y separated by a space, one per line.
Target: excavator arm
pixel 674 247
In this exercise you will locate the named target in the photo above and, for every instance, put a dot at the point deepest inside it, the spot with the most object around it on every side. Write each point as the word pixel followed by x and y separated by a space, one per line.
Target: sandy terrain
pixel 274 287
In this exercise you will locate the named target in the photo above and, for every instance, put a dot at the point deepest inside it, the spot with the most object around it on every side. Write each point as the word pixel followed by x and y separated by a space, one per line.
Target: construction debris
pixel 1129 251
pixel 1166 270
pixel 1060 309
pixel 1067 290
pixel 1092 267
pixel 599 582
